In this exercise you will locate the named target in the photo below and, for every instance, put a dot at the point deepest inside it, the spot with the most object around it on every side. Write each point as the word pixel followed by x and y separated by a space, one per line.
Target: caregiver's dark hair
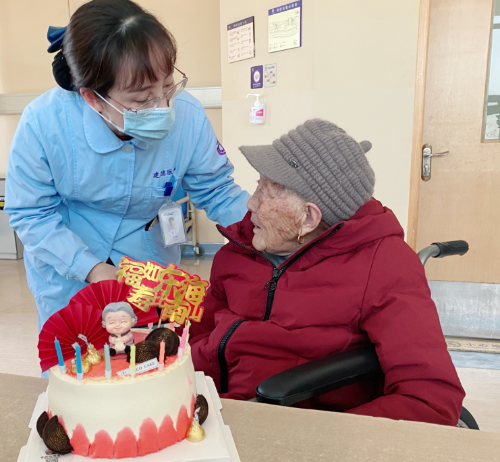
pixel 105 37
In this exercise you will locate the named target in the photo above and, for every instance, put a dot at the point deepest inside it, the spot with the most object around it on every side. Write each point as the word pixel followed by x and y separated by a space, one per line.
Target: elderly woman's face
pixel 276 216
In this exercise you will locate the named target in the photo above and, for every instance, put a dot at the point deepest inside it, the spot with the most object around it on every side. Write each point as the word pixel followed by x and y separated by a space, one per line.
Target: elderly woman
pixel 318 266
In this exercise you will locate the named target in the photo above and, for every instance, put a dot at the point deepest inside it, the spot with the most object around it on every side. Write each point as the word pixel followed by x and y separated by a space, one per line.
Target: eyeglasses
pixel 150 105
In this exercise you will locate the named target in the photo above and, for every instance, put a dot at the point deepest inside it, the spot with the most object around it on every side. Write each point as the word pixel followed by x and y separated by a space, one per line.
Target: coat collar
pixel 371 222
pixel 99 136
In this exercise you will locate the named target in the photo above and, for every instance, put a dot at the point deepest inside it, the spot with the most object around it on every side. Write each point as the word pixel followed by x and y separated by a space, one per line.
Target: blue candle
pixel 108 361
pixel 62 366
pixel 79 372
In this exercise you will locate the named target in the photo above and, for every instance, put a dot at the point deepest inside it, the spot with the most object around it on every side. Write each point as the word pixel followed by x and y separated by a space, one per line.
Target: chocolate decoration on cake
pixel 144 351
pixel 170 338
pixel 93 356
pixel 40 423
pixel 86 366
pixel 55 437
pixel 202 406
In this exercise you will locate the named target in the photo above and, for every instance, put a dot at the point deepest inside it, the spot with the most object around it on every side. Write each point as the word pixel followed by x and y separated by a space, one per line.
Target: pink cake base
pixel 151 439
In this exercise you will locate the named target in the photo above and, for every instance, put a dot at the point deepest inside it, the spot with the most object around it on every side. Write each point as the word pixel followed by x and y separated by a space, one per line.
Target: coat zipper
pixel 221 353
pixel 270 286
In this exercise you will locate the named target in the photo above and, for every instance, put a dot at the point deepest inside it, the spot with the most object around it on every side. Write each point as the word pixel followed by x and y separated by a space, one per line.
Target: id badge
pixel 172 225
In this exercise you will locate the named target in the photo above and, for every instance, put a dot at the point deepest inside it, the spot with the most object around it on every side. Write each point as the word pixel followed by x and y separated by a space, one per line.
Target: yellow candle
pixel 132 360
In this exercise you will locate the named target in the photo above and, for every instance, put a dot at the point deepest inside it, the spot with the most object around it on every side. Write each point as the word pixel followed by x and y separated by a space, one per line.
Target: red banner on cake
pixel 176 292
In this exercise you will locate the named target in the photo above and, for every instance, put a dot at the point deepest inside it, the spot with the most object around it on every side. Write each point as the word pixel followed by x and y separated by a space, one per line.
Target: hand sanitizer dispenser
pixel 257 111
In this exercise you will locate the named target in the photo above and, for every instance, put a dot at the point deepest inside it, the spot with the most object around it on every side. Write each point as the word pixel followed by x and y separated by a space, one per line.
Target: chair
pixel 340 369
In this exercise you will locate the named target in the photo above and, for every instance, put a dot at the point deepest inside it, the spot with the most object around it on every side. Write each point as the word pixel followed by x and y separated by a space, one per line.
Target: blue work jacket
pixel 78 195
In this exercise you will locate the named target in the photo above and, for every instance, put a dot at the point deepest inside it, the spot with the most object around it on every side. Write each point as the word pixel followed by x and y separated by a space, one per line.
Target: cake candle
pixel 107 371
pixel 172 327
pixel 187 326
pixel 161 359
pixel 132 360
pixel 182 345
pixel 62 366
pixel 79 372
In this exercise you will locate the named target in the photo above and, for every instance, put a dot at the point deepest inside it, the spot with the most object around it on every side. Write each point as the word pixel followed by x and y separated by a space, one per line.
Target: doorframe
pixel 418 120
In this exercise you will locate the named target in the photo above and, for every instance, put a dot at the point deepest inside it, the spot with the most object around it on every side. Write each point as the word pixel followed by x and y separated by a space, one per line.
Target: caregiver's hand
pixel 102 272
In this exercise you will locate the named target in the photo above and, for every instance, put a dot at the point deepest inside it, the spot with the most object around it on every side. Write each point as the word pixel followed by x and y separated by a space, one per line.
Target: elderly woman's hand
pixel 102 272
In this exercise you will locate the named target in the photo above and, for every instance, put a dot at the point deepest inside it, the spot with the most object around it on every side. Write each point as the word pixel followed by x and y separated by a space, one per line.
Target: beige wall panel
pixel 25 65
pixel 195 26
pixel 356 68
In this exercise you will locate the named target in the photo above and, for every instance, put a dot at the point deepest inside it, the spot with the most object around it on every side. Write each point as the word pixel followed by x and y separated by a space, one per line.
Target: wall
pixel 25 66
pixel 356 68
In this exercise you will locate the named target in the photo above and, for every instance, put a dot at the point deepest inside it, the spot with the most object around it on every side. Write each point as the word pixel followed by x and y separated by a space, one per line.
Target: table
pixel 270 433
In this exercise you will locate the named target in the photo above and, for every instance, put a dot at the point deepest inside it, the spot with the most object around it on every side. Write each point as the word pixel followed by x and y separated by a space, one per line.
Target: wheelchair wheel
pixel 467 421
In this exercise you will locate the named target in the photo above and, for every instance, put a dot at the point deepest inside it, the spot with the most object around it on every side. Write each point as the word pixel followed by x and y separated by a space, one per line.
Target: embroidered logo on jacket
pixel 220 149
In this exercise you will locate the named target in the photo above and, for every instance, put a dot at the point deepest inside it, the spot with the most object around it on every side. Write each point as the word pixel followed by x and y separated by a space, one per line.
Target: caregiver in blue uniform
pixel 89 168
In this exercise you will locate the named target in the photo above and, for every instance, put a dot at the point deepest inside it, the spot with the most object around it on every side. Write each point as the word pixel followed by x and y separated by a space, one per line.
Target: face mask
pixel 145 127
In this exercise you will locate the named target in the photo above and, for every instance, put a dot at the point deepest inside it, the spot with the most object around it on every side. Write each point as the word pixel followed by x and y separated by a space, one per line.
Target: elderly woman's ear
pixel 312 224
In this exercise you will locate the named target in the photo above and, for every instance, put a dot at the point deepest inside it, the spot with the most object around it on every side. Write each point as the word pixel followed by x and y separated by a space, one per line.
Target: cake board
pixel 218 446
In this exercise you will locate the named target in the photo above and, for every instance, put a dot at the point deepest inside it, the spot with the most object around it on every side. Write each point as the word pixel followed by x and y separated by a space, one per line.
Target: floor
pixel 19 336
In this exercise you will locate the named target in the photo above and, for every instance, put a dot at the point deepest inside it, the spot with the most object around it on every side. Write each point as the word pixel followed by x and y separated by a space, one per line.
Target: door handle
pixel 427 155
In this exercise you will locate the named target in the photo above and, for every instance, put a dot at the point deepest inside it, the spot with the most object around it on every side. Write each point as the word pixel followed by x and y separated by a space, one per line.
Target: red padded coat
pixel 356 284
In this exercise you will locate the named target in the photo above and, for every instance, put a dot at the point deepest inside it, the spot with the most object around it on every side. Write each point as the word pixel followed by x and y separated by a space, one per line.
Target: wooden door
pixel 462 199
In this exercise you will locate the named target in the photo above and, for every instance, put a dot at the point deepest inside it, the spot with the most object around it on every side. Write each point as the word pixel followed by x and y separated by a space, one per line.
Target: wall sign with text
pixel 285 27
pixel 240 40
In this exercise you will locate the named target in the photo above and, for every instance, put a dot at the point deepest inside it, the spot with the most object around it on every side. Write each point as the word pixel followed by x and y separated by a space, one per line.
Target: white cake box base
pixel 218 445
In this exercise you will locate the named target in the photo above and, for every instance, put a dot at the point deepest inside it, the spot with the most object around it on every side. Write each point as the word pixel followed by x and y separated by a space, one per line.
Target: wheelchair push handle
pixel 452 248
pixel 443 249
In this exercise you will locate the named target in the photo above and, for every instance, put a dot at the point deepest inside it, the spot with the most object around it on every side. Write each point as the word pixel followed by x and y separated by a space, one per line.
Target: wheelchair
pixel 337 370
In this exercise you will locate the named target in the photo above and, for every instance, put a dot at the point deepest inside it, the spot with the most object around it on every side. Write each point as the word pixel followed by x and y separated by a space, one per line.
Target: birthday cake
pixel 114 391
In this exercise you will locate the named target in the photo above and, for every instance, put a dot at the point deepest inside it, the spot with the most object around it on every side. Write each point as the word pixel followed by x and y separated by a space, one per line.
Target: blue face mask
pixel 145 125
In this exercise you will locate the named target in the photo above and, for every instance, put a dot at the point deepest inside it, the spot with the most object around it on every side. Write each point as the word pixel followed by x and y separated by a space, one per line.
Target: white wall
pixel 356 67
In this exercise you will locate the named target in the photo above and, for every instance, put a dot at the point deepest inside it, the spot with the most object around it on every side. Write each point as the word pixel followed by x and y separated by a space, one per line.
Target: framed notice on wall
pixel 240 40
pixel 285 27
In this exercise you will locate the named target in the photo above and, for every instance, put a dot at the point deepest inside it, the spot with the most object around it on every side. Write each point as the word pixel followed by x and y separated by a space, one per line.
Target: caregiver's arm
pixel 32 202
pixel 401 320
pixel 208 179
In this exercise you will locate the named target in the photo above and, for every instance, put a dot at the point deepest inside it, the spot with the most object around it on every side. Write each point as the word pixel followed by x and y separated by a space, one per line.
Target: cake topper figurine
pixel 118 319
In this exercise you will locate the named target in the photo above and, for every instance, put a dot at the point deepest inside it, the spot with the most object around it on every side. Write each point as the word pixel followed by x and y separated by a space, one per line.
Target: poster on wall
pixel 270 75
pixel 256 77
pixel 240 40
pixel 285 27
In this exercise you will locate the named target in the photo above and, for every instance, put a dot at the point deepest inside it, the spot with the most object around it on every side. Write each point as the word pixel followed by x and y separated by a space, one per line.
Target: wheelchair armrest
pixel 319 376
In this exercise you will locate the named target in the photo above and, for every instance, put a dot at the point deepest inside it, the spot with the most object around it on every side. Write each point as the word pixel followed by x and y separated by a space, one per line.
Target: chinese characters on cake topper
pixel 171 289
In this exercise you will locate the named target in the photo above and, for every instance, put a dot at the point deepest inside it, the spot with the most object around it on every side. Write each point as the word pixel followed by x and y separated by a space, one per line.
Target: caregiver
pixel 90 168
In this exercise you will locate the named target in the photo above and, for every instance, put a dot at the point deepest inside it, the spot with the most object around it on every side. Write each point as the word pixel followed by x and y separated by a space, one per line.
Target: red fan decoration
pixel 83 315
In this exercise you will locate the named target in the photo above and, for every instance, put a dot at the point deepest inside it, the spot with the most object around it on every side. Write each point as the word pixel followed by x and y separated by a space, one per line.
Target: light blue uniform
pixel 76 194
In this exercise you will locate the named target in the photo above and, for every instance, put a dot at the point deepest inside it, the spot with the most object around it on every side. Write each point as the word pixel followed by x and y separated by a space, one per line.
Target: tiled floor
pixel 19 355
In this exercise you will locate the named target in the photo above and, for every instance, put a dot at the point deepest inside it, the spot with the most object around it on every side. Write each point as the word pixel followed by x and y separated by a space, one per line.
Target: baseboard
pixel 468 309
pixel 208 251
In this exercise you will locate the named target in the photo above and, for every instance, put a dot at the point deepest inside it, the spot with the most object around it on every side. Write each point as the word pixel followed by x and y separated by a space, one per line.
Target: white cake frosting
pixel 112 404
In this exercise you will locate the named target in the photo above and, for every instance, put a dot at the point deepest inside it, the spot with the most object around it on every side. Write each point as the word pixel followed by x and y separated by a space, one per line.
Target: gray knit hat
pixel 321 163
